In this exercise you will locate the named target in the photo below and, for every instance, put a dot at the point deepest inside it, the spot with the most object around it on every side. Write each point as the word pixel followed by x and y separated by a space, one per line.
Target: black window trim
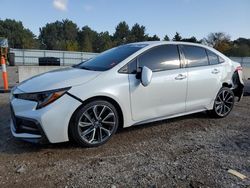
pixel 182 57
pixel 182 64
pixel 208 58
pixel 126 65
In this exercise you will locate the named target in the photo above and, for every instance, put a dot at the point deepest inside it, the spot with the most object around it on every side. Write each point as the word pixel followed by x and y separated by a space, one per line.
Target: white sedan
pixel 128 85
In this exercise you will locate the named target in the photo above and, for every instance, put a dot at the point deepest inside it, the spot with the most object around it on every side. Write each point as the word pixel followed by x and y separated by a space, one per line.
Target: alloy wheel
pixel 224 102
pixel 97 124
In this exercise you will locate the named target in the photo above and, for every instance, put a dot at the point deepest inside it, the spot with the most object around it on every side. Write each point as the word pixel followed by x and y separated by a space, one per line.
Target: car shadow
pixel 12 145
pixel 200 115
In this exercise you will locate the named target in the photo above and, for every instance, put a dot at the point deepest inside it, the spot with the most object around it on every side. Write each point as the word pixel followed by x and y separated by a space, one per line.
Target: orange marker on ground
pixel 4 74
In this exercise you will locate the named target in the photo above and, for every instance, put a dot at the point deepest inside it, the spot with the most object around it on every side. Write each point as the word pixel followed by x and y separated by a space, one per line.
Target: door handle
pixel 180 77
pixel 215 71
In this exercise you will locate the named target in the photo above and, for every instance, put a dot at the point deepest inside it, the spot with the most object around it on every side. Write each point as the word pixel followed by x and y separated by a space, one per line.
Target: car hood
pixel 57 79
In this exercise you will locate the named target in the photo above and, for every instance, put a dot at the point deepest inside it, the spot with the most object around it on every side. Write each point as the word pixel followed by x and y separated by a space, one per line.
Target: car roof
pixel 150 44
pixel 153 43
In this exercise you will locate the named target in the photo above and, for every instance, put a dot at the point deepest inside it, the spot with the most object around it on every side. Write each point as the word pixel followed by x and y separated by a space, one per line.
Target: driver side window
pixel 160 58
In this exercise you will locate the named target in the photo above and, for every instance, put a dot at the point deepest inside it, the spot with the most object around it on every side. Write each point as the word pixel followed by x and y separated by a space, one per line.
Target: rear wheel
pixel 94 123
pixel 223 103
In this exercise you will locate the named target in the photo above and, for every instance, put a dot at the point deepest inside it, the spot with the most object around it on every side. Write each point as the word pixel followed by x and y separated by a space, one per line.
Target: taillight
pixel 239 68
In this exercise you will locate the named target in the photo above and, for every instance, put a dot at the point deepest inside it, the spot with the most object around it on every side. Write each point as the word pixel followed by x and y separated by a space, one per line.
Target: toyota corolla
pixel 128 85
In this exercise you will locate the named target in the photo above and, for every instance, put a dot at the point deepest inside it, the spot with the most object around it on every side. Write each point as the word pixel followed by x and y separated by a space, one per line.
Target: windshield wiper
pixel 85 68
pixel 81 67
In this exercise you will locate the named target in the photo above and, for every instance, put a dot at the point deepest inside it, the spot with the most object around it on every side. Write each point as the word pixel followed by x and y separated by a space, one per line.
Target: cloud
pixel 60 4
pixel 88 8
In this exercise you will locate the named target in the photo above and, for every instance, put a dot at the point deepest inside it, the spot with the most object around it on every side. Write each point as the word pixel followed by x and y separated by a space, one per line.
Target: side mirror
pixel 146 76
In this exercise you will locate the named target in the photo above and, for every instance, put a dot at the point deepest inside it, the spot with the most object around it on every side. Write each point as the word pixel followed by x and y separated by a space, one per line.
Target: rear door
pixel 166 93
pixel 203 77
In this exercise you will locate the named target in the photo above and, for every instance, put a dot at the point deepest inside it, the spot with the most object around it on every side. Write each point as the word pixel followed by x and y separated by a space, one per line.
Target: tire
pixel 223 103
pixel 94 123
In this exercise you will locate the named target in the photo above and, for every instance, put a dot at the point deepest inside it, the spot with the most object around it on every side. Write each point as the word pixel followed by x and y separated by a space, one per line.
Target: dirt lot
pixel 191 151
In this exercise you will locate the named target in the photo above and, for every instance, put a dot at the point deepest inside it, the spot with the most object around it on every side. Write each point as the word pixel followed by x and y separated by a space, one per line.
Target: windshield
pixel 110 58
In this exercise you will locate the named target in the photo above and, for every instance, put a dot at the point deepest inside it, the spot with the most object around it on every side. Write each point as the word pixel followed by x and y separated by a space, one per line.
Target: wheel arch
pixel 225 84
pixel 235 85
pixel 221 103
pixel 100 97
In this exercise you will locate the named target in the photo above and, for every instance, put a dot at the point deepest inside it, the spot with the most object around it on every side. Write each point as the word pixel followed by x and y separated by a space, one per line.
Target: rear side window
pixel 165 57
pixel 195 56
pixel 213 58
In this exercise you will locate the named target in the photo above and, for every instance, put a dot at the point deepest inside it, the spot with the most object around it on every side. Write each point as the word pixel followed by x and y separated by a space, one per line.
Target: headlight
pixel 43 98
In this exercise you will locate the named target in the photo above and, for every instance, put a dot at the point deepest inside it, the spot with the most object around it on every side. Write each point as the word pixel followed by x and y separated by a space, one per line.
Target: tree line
pixel 66 35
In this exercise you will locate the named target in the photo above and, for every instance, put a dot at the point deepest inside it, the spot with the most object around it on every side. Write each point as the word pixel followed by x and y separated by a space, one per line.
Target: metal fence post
pixel 63 58
pixel 23 57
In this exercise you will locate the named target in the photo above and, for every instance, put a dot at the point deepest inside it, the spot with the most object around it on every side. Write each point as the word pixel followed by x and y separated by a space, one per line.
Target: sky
pixel 188 17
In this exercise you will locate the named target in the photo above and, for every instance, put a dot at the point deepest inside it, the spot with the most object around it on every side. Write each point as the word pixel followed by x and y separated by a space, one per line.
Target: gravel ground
pixel 191 151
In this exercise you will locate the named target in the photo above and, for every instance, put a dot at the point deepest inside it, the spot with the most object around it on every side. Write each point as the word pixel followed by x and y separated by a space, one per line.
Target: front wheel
pixel 94 123
pixel 223 103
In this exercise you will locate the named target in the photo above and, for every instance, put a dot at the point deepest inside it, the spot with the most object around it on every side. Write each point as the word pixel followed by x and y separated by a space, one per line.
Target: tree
pixel 59 35
pixel 87 39
pixel 191 39
pixel 177 37
pixel 65 35
pixel 121 33
pixel 166 38
pixel 240 48
pixel 153 38
pixel 240 41
pixel 70 32
pixel 17 35
pixel 137 33
pixel 51 35
pixel 220 41
pixel 103 42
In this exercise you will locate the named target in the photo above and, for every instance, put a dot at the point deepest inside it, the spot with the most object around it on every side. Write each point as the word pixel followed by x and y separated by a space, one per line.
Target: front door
pixel 166 94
